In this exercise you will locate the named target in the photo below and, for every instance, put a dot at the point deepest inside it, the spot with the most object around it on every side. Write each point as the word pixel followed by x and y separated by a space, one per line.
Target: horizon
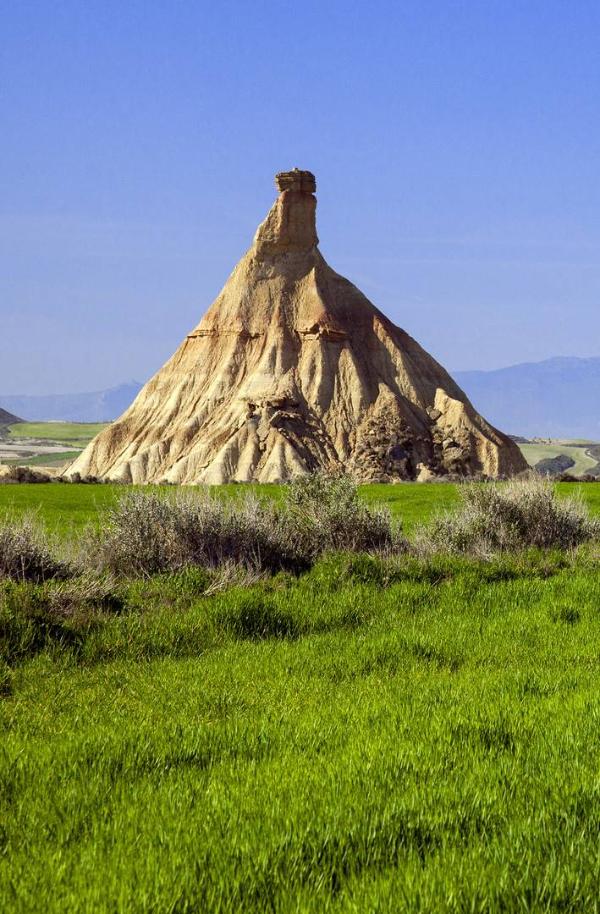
pixel 455 152
pixel 129 382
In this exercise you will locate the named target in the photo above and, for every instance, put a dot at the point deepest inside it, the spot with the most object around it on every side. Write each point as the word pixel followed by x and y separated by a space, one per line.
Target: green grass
pixel 67 508
pixel 412 735
pixel 68 432
pixel 45 460
pixel 533 453
pixel 64 508
pixel 326 744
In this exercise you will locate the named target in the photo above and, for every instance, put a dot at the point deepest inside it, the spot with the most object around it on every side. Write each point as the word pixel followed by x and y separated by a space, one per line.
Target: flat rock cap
pixel 302 181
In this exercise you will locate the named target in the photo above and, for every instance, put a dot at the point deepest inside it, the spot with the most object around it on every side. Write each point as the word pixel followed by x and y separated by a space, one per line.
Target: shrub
pixel 82 599
pixel 148 533
pixel 498 517
pixel 26 553
pixel 329 516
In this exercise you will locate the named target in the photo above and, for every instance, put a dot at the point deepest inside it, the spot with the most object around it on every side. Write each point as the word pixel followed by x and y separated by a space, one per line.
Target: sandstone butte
pixel 292 369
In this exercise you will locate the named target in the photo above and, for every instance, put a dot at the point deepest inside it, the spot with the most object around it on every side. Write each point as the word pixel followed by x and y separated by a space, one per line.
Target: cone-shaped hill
pixel 290 370
pixel 7 418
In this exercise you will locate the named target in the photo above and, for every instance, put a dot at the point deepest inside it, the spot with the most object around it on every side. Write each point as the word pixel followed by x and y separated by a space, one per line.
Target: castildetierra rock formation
pixel 292 370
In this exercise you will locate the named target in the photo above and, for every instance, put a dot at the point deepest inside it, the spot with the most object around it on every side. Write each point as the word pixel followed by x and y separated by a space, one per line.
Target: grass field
pixel 351 740
pixel 67 508
pixel 73 433
pixel 44 444
pixel 533 453
pixel 58 459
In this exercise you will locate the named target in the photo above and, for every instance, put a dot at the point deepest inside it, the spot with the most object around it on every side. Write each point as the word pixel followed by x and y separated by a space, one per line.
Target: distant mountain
pixel 8 418
pixel 98 406
pixel 557 398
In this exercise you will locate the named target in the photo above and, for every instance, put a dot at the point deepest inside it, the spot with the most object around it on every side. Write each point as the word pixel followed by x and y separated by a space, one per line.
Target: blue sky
pixel 456 147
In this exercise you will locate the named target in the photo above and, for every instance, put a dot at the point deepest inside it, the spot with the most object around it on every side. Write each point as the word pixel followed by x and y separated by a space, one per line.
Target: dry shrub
pixel 26 552
pixel 233 574
pixel 151 532
pixel 502 517
pixel 147 533
pixel 84 597
pixel 328 515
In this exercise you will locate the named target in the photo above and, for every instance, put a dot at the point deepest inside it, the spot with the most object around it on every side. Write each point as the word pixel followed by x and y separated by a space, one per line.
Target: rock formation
pixel 290 370
pixel 7 418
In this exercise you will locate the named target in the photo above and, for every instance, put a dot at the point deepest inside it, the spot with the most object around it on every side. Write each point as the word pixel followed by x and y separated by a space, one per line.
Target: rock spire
pixel 290 370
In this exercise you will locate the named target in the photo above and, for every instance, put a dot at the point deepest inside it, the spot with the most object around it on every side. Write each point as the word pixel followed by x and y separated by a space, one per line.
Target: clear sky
pixel 456 147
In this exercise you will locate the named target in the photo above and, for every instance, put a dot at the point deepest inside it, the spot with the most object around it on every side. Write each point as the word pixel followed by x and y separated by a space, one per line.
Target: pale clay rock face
pixel 292 370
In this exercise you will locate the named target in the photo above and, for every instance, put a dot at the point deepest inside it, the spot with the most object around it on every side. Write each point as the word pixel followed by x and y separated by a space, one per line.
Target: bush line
pixel 149 533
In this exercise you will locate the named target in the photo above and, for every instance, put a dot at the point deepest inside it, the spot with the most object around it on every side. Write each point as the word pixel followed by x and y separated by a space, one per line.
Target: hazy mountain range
pixel 97 406
pixel 557 398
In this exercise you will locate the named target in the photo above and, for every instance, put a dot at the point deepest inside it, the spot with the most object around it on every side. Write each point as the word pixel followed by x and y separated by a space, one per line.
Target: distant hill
pixel 8 418
pixel 98 406
pixel 557 398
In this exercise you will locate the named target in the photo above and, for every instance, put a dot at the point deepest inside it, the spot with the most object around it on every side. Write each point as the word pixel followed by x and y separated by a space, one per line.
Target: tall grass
pixel 193 727
pixel 376 735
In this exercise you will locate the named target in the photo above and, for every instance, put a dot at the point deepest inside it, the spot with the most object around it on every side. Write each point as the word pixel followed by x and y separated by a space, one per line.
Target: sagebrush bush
pixel 148 533
pixel 328 515
pixel 499 517
pixel 81 599
pixel 26 552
